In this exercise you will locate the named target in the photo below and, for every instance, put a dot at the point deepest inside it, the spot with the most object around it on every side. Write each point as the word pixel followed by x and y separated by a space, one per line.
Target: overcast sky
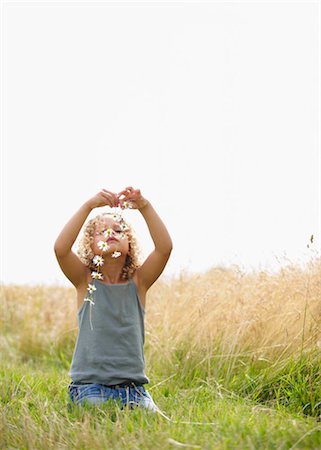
pixel 212 109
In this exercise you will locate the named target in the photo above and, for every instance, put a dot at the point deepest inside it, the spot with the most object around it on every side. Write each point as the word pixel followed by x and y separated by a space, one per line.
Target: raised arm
pixel 69 262
pixel 155 263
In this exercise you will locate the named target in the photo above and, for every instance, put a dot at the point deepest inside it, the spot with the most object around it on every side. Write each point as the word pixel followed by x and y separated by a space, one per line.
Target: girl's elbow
pixel 165 247
pixel 59 250
pixel 169 249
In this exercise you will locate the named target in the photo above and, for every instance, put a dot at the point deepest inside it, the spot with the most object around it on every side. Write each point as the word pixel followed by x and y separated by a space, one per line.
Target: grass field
pixel 234 361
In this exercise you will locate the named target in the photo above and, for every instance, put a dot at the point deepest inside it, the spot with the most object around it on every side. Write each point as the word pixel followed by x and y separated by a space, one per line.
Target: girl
pixel 108 359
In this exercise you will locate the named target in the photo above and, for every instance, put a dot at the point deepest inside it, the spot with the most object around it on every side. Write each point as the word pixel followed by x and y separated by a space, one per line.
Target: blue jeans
pixel 93 393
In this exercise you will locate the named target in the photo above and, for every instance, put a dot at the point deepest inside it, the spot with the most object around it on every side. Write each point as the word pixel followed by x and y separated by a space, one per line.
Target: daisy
pixel 98 260
pixel 123 226
pixel 103 246
pixel 107 233
pixel 97 275
pixel 87 299
pixel 127 205
pixel 116 254
pixel 91 288
pixel 117 217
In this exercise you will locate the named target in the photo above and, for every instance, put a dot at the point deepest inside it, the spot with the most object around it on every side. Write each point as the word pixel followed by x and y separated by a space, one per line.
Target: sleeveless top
pixel 110 343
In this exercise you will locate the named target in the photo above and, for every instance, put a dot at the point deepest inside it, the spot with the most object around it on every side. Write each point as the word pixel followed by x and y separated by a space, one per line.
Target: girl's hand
pixel 133 197
pixel 104 198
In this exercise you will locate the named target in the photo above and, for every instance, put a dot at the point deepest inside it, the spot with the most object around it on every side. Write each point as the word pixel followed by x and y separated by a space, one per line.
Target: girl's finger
pixel 108 192
pixel 110 198
pixel 106 195
pixel 124 193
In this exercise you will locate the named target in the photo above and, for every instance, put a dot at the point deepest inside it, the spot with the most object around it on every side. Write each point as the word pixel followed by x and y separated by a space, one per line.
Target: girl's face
pixel 117 239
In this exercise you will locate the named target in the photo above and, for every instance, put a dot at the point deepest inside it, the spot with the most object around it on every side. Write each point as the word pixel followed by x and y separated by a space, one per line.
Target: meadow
pixel 233 359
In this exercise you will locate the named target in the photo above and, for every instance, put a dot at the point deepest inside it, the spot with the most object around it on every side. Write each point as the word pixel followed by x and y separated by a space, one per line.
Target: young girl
pixel 108 360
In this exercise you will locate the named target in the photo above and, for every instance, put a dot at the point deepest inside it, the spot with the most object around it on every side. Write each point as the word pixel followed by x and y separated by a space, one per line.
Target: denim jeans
pixel 132 395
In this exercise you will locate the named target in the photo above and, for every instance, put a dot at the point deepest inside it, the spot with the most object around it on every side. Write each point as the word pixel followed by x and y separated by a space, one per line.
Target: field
pixel 233 359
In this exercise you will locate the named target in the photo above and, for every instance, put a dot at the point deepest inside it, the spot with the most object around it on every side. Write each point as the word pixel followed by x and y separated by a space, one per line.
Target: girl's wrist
pixel 146 203
pixel 88 205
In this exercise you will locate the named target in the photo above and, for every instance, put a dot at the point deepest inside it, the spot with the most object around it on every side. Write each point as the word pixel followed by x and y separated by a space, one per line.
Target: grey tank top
pixel 110 342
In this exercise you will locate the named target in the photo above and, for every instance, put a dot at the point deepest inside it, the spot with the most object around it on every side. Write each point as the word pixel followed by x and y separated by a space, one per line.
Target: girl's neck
pixel 112 270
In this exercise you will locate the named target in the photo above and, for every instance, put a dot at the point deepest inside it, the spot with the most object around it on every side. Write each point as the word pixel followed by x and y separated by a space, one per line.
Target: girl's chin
pixel 110 252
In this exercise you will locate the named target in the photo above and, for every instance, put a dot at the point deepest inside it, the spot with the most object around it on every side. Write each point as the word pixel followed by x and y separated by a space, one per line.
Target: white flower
pixel 88 299
pixel 107 233
pixel 123 226
pixel 123 235
pixel 117 217
pixel 116 254
pixel 91 288
pixel 98 260
pixel 127 205
pixel 97 275
pixel 117 214
pixel 103 246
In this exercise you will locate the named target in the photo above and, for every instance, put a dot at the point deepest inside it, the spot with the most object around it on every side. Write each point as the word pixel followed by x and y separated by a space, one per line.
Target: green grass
pixel 215 403
pixel 234 363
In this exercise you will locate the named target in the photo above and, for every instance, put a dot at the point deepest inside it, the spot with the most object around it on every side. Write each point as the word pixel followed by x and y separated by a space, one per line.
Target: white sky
pixel 212 109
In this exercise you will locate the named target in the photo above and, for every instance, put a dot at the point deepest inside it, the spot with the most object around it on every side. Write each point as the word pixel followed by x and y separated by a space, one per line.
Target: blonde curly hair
pixel 86 253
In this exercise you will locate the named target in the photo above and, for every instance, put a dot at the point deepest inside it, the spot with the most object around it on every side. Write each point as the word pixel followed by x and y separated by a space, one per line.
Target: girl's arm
pixel 69 262
pixel 155 263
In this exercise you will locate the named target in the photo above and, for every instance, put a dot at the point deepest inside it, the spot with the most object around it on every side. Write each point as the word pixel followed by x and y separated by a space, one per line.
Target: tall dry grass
pixel 258 312
pixel 223 310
